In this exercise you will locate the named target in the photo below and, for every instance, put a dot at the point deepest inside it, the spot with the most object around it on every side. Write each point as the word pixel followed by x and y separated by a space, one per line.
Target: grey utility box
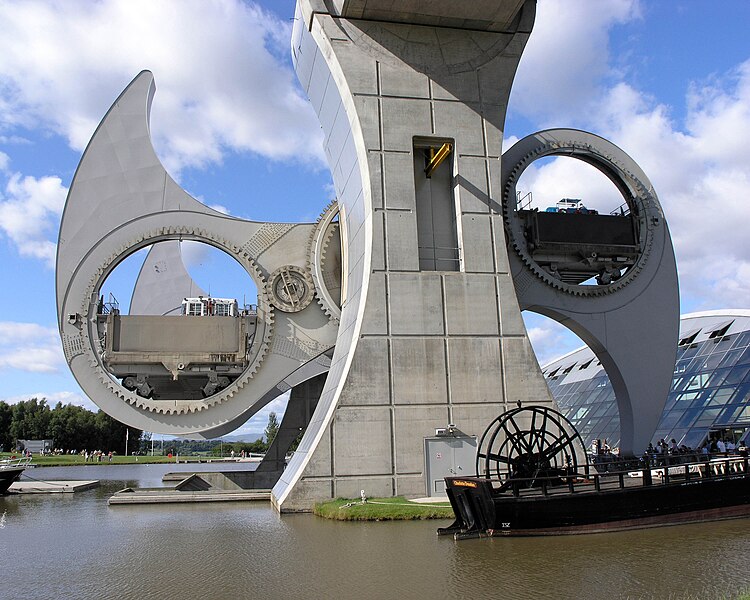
pixel 448 456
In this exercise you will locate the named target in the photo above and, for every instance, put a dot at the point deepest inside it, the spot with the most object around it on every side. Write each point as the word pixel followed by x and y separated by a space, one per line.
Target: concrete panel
pixel 475 239
pixel 471 305
pixel 500 245
pixel 461 122
pixel 320 462
pixel 347 162
pixel 511 321
pixel 493 134
pixel 330 107
pixel 413 424
pixel 415 304
pixel 476 370
pixel 495 76
pixel 362 441
pixel 411 486
pixel 375 164
pixel 378 241
pixel 402 120
pixel 486 15
pixel 305 54
pixel 399 181
pixel 418 367
pixel 319 80
pixel 375 321
pixel 454 86
pixel 522 373
pixel 369 120
pixel 471 185
pixel 473 419
pixel 401 241
pixel 360 69
pixel 305 494
pixel 368 381
pixel 335 141
pixel 374 487
pixel 495 188
pixel 406 83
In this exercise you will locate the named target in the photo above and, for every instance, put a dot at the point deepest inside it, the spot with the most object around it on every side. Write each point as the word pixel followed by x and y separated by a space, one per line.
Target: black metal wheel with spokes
pixel 531 444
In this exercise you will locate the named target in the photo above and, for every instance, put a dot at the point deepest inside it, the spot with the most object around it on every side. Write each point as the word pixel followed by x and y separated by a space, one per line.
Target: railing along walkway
pixel 721 468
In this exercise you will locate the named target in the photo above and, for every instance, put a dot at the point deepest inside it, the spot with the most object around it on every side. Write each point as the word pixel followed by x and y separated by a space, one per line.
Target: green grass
pixel 66 460
pixel 381 509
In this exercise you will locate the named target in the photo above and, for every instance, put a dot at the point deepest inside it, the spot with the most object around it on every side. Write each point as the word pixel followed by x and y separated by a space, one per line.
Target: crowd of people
pixel 96 456
pixel 671 453
pixel 668 453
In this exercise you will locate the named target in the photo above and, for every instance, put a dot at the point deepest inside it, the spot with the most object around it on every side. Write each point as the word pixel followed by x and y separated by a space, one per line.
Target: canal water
pixel 75 546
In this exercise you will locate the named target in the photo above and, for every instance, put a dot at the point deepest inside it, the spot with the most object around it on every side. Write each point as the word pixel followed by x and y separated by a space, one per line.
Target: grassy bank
pixel 381 509
pixel 68 460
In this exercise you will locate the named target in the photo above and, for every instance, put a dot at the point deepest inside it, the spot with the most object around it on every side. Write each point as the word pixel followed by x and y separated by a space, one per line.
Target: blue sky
pixel 668 81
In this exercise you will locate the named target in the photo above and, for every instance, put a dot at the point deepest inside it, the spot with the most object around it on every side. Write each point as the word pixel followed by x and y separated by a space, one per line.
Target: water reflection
pixel 77 546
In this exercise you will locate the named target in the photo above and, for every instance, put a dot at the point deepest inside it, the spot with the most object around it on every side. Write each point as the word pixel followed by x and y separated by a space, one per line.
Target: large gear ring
pixel 609 160
pixel 324 259
pixel 257 351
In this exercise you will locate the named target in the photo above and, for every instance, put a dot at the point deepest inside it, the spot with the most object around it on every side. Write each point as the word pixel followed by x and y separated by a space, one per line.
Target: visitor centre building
pixel 709 396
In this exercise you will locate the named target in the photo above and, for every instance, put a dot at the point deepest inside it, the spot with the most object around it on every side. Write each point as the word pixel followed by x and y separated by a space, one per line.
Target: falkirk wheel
pixel 399 311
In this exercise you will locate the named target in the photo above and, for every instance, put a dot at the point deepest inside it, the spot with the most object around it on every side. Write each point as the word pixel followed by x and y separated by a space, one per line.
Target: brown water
pixel 75 546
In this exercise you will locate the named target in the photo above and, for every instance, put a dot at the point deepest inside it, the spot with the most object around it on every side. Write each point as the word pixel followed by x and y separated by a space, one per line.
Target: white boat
pixel 10 471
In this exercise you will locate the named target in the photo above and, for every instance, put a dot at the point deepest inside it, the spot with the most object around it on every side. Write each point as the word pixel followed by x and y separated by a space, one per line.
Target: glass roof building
pixel 710 391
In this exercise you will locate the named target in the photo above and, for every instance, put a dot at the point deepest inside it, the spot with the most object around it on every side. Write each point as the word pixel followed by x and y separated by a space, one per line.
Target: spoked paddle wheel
pixel 533 444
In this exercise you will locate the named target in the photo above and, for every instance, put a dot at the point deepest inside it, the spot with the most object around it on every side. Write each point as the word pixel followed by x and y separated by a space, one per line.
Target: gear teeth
pixel 643 199
pixel 320 239
pixel 187 406
pixel 293 272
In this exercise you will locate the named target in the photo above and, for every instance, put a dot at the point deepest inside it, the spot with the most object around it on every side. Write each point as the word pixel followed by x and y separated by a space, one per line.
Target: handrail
pixel 621 211
pixel 15 463
pixel 523 201
pixel 710 469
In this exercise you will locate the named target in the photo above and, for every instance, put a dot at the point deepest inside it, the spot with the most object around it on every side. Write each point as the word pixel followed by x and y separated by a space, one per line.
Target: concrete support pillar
pixel 418 348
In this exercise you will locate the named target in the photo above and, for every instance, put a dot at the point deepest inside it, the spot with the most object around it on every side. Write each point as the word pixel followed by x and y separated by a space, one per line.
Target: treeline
pixel 220 447
pixel 212 447
pixel 71 427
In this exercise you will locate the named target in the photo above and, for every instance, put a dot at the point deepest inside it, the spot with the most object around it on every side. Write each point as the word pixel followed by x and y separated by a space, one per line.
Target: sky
pixel 667 81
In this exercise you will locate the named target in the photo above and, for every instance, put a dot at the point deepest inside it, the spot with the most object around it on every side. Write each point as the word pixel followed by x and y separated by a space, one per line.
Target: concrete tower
pixel 431 331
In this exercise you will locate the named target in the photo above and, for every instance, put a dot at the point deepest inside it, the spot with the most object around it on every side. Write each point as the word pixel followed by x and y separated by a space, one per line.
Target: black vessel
pixel 534 478
pixel 10 471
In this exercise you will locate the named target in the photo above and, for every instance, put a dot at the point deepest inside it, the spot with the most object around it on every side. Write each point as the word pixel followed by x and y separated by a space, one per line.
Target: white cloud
pixel 4 162
pixel 29 214
pixel 221 79
pixel 569 178
pixel 257 423
pixel 549 339
pixel 701 172
pixel 566 60
pixel 30 347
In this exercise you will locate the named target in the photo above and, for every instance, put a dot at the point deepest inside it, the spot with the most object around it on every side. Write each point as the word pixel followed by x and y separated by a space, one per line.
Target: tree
pixel 145 447
pixel 271 429
pixel 6 417
pixel 71 427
